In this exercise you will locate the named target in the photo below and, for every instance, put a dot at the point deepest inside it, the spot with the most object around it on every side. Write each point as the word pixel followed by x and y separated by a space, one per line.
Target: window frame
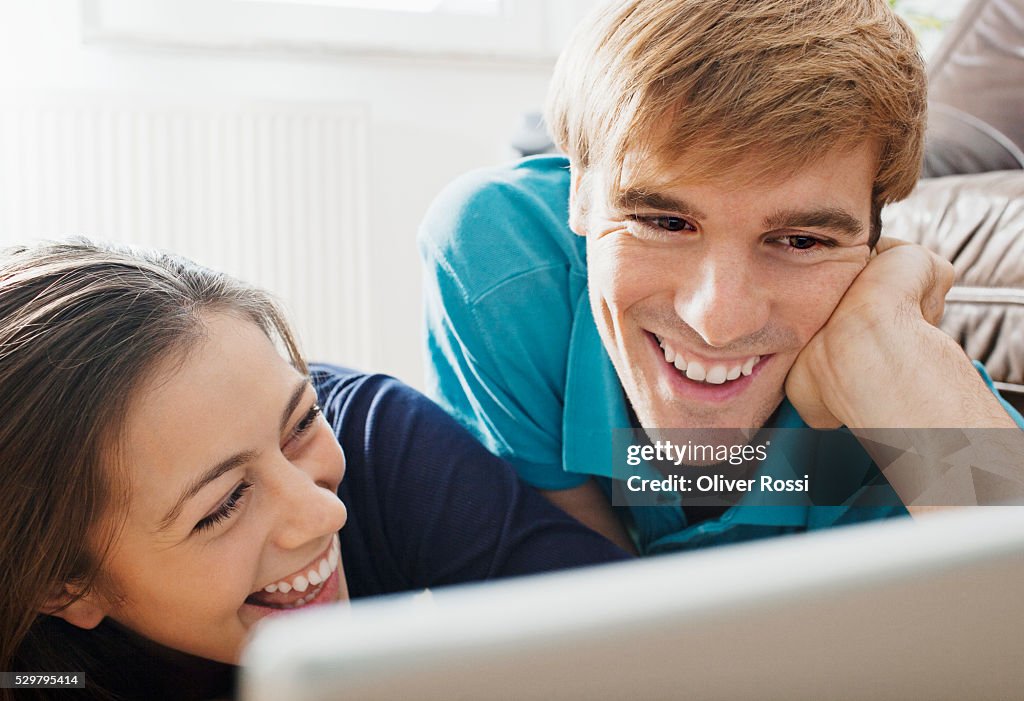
pixel 524 30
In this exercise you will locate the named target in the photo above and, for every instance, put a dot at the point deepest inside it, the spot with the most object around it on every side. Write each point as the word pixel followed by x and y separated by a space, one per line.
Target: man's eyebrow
pixel 227 465
pixel 836 220
pixel 639 199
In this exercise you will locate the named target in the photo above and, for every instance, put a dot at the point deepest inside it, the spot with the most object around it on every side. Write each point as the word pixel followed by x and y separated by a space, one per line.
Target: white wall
pixel 430 121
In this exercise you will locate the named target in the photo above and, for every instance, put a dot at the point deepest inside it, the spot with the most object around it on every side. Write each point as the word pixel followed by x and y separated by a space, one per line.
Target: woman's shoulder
pixel 359 405
pixel 346 389
pixel 383 423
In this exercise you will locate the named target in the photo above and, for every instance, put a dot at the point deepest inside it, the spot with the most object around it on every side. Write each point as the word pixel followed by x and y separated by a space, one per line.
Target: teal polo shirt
pixel 514 354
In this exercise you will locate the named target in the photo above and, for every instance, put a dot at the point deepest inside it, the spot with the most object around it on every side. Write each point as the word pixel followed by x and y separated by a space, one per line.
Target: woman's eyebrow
pixel 293 401
pixel 227 465
pixel 197 485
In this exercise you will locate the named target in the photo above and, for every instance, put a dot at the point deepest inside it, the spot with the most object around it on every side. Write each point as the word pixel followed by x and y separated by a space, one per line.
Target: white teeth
pixel 716 375
pixel 304 600
pixel 695 371
pixel 309 597
pixel 312 577
pixel 670 354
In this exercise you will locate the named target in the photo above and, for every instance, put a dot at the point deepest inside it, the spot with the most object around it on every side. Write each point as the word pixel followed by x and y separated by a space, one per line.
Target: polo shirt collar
pixel 595 405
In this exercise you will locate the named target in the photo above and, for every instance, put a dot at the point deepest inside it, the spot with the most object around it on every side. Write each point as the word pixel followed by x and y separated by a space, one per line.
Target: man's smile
pixel 695 377
pixel 714 372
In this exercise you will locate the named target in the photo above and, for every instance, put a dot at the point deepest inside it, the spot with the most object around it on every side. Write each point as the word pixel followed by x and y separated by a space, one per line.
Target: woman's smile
pixel 312 584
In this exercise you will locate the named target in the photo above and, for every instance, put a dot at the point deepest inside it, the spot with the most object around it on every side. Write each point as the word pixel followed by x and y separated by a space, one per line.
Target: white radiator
pixel 271 193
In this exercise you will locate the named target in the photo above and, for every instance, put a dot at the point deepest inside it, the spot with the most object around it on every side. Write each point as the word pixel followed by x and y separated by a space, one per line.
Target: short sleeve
pixel 502 278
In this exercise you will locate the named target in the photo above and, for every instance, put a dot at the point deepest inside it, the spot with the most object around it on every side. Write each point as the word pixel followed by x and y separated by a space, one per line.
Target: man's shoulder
pixel 498 223
pixel 536 185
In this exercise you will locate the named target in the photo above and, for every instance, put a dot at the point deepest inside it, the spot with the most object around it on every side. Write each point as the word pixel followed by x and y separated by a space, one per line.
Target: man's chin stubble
pixel 706 417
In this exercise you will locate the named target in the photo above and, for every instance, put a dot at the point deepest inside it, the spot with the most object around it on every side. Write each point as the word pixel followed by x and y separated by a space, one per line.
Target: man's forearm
pixel 917 379
pixel 936 431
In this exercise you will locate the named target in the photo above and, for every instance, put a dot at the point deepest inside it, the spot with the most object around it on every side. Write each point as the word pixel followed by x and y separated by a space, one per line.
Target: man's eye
pixel 652 225
pixel 802 243
pixel 671 223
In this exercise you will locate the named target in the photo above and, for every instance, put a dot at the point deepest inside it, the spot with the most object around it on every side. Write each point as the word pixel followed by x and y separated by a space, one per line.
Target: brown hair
pixel 787 79
pixel 81 325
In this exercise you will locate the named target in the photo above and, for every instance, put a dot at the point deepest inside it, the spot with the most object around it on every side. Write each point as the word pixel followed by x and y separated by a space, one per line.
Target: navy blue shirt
pixel 428 505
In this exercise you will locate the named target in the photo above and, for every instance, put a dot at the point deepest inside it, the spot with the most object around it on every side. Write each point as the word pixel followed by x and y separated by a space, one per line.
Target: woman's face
pixel 234 477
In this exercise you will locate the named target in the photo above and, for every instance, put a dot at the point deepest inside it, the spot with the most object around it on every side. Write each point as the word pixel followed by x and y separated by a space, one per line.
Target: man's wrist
pixel 919 377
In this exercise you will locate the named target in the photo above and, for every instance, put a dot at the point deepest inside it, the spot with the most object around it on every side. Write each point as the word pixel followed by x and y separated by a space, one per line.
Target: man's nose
pixel 307 509
pixel 725 302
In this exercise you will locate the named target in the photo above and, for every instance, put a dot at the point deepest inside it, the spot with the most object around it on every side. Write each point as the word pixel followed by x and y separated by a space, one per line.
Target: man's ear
pixel 84 612
pixel 577 202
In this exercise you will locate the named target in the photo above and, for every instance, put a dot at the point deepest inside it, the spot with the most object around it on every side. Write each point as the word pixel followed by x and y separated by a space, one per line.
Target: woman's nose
pixel 307 509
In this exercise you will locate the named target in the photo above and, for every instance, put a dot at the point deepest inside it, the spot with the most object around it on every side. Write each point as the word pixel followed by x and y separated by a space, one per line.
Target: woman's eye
pixel 307 420
pixel 225 510
pixel 302 428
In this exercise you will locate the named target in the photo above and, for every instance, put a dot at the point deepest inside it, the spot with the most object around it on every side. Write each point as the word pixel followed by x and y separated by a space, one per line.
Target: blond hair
pixel 785 79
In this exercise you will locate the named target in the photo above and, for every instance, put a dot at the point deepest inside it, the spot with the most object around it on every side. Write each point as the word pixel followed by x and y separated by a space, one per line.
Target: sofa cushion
pixel 978 67
pixel 977 223
pixel 957 143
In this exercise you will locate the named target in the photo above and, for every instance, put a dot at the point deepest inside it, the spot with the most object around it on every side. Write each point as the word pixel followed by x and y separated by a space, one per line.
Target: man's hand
pixel 880 365
pixel 881 362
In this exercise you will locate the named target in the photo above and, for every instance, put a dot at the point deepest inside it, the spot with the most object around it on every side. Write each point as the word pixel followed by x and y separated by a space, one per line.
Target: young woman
pixel 172 472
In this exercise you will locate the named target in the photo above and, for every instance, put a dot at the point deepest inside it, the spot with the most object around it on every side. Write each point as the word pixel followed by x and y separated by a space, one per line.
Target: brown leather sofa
pixel 976 85
pixel 977 222
pixel 970 206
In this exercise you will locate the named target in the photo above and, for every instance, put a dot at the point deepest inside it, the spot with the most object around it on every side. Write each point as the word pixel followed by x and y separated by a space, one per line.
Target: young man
pixel 707 257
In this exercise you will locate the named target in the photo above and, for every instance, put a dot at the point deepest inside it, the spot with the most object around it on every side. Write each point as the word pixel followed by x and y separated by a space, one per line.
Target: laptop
pixel 932 608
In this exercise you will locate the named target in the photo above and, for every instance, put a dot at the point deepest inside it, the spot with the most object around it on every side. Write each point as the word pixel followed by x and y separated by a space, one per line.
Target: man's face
pixel 705 292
